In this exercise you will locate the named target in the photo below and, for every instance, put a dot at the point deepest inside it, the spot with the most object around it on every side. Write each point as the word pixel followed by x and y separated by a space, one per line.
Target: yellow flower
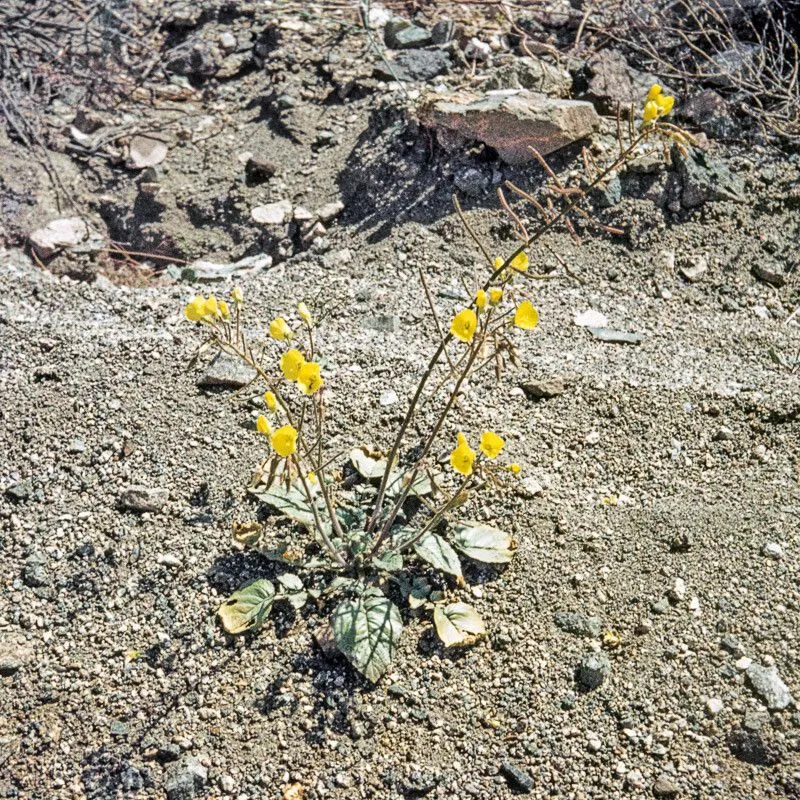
pixel 304 314
pixel 223 310
pixel 196 310
pixel 464 325
pixel 650 113
pixel 526 316
pixel 480 299
pixel 491 444
pixel 237 295
pixel 665 102
pixel 291 361
pixel 495 296
pixel 498 262
pixel 655 91
pixel 212 309
pixel 311 477
pixel 271 400
pixel 280 330
pixel 462 457
pixel 308 378
pixel 520 262
pixel 515 468
pixel 262 426
pixel 284 441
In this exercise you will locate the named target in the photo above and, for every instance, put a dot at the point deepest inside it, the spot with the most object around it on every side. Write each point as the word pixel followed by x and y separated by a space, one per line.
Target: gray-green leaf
pixel 290 502
pixel 389 561
pixel 248 607
pixel 366 629
pixel 292 590
pixel 397 482
pixel 437 552
pixel 483 543
pixel 458 624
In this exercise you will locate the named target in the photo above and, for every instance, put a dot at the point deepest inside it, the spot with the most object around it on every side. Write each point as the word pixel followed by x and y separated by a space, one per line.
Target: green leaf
pixel 368 465
pixel 366 629
pixel 421 486
pixel 483 543
pixel 419 594
pixel 352 518
pixel 458 624
pixel 292 503
pixel 389 561
pixel 248 607
pixel 437 552
pixel 292 590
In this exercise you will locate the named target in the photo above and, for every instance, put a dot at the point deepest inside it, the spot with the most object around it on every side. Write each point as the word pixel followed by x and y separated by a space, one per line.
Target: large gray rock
pixel 532 74
pixel 58 235
pixel 767 684
pixel 511 121
pixel 611 82
pixel 701 179
pixel 592 671
pixel 400 33
pixel 184 778
pixel 578 624
pixel 228 372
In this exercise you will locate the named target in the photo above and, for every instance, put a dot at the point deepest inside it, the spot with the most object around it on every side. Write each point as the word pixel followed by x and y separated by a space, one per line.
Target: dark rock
pixel 184 778
pixel 532 74
pixel 35 574
pixel 703 179
pixel 544 389
pixel 119 728
pixel 609 193
pixel 681 542
pixel 415 65
pixel 732 645
pixel 20 492
pixel 259 169
pixel 143 499
pixel 194 59
pixel 400 34
pixel 611 82
pixel 443 31
pixel 748 746
pixel 518 779
pixel 420 784
pixel 733 65
pixel 592 671
pixel 472 181
pixel 168 752
pixel 709 111
pixel 578 624
pixel 770 273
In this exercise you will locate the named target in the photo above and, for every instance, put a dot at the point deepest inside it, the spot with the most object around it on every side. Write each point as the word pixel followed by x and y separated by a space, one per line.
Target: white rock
pixel 593 437
pixel 146 151
pixel 273 213
pixel 169 559
pixel 475 48
pixel 302 214
pixel 329 211
pixel 388 398
pixel 772 550
pixel 635 779
pixel 743 663
pixel 714 705
pixel 678 591
pixel 591 319
pixel 58 234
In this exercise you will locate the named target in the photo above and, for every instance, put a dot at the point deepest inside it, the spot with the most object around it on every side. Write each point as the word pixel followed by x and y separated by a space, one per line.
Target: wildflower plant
pixel 367 530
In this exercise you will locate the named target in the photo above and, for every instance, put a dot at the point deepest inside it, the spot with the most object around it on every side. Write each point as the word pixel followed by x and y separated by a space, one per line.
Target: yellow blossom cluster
pixel 206 309
pixel 305 373
pixel 283 440
pixel 463 456
pixel 656 105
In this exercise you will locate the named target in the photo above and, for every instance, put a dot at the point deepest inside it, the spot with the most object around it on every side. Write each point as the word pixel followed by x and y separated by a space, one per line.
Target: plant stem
pixel 335 554
pixel 569 206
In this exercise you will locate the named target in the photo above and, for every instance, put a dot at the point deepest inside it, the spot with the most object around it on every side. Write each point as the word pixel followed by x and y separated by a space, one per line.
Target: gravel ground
pixel 644 640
